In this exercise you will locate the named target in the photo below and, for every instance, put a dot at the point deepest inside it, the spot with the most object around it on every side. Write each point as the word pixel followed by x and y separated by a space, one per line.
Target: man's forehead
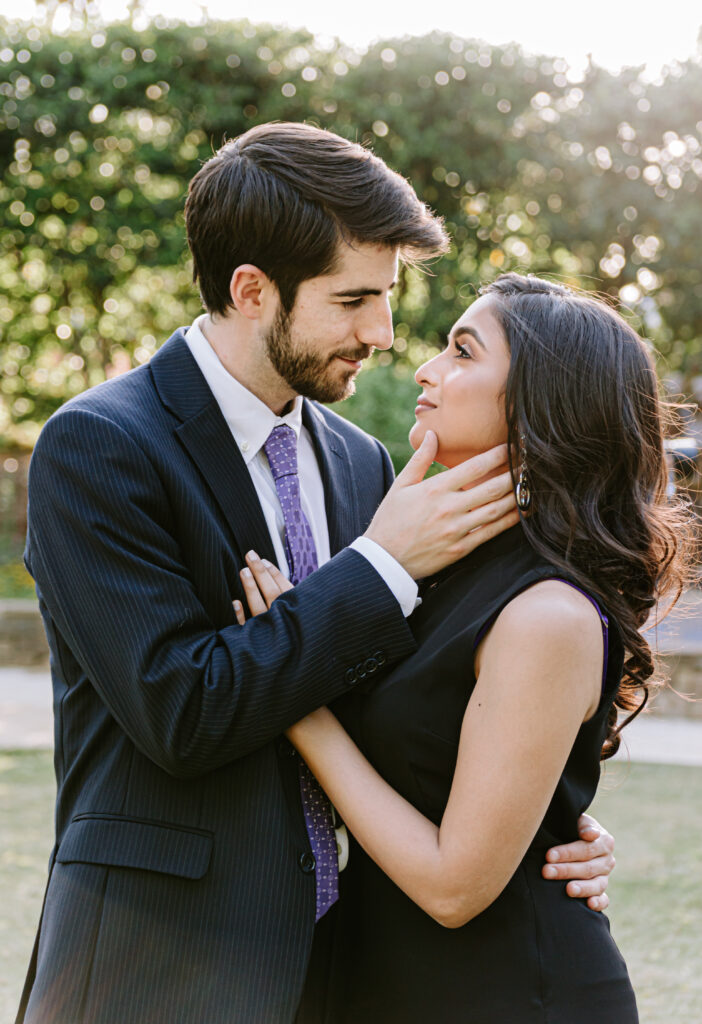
pixel 361 262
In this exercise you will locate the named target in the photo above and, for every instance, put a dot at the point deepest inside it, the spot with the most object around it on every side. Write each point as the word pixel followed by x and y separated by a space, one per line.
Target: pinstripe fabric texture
pixel 177 891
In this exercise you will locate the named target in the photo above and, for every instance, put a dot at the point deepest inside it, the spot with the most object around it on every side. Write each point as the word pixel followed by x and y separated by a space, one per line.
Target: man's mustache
pixel 357 356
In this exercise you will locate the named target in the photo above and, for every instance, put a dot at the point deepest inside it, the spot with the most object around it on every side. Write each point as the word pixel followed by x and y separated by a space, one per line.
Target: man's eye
pixel 352 303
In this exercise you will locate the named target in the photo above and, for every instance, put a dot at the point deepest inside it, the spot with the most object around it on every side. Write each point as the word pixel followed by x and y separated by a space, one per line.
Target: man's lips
pixel 355 363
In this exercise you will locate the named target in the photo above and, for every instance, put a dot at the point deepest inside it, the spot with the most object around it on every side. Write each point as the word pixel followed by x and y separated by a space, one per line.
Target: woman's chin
pixel 416 436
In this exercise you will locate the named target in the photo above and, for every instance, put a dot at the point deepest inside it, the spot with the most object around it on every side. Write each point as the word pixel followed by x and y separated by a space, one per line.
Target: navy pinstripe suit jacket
pixel 176 889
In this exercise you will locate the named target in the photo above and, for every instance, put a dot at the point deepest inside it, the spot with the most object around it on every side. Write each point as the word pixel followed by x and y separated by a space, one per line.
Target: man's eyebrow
pixel 460 331
pixel 358 293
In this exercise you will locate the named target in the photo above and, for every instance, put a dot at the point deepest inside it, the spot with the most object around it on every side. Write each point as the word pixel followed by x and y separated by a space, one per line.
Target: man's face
pixel 336 322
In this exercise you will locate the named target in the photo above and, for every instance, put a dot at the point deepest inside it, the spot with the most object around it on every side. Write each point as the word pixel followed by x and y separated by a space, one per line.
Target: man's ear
pixel 250 290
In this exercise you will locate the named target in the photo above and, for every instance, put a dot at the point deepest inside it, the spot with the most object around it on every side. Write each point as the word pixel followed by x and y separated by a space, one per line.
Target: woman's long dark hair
pixel 582 392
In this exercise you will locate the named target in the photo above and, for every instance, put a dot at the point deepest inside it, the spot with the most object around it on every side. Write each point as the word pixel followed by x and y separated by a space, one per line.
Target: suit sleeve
pixel 102 548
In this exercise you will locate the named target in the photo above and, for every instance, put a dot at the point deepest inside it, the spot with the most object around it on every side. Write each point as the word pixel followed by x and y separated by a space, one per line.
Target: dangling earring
pixel 523 491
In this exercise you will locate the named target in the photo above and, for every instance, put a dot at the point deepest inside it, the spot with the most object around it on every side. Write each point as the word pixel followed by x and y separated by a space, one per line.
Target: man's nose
pixel 376 328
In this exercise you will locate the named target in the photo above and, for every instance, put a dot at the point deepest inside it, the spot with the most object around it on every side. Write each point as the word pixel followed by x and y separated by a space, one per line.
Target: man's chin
pixel 329 391
pixel 348 389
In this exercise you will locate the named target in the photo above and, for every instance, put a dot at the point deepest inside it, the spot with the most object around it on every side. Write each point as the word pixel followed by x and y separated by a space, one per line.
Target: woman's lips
pixel 423 405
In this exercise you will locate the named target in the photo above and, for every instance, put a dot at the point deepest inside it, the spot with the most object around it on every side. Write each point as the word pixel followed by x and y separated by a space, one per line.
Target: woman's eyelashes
pixel 462 352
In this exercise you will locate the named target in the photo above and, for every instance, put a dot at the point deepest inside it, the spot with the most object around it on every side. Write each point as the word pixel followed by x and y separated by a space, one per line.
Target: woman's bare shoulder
pixel 548 625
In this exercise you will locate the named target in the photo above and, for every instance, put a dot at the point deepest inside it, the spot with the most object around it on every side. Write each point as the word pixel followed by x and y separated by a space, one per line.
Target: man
pixel 190 860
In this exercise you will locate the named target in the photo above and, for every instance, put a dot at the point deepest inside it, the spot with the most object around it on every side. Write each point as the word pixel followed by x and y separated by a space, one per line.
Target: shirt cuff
pixel 399 581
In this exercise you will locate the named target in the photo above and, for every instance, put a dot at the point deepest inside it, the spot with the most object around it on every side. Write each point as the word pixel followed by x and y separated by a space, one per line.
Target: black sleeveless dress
pixel 535 956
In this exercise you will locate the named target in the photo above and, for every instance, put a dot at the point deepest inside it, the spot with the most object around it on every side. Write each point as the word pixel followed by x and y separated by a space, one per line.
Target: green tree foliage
pixel 597 182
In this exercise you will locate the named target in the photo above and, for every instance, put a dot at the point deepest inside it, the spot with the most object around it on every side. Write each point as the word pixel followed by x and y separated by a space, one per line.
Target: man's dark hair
pixel 283 196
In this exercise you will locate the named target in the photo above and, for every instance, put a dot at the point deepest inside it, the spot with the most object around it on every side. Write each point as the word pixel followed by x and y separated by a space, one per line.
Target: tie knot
pixel 281 451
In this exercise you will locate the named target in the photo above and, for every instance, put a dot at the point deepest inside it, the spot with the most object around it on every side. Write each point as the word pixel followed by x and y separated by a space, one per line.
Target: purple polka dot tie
pixel 281 451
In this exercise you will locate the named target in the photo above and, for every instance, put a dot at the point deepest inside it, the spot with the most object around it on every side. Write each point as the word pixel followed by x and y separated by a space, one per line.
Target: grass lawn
pixel 15 581
pixel 655 811
pixel 26 837
pixel 656 913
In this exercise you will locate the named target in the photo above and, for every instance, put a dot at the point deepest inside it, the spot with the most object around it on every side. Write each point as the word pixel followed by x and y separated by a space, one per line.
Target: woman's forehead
pixel 481 315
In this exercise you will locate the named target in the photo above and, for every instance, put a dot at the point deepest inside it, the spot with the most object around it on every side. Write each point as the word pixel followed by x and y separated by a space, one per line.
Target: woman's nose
pixel 427 373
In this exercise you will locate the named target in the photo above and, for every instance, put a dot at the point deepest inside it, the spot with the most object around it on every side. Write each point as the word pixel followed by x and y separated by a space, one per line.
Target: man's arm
pixel 102 547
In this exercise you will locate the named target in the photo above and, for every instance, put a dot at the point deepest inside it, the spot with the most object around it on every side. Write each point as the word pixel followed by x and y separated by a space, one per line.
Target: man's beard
pixel 309 373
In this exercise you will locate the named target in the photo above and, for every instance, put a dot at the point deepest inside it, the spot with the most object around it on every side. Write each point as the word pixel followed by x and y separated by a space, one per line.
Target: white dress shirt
pixel 251 421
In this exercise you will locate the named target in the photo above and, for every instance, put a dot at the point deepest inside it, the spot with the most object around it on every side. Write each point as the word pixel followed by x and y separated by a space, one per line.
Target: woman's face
pixel 462 399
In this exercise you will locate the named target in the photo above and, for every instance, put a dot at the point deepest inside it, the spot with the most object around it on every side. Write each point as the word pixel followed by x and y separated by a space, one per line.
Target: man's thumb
pixel 417 467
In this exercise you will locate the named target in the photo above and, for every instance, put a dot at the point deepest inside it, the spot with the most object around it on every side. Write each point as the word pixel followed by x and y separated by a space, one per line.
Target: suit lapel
pixel 341 504
pixel 205 435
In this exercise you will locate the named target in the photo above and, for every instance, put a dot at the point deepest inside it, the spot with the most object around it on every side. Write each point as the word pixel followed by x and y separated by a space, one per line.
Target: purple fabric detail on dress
pixel 603 619
pixel 301 553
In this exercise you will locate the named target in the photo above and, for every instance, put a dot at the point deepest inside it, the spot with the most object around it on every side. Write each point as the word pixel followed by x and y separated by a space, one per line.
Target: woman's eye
pixel 462 352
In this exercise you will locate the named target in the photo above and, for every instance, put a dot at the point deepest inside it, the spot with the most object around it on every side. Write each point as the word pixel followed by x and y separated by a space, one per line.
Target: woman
pixel 464 764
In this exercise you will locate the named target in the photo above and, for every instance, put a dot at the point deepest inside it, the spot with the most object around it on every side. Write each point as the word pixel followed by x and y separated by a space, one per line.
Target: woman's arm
pixel 539 676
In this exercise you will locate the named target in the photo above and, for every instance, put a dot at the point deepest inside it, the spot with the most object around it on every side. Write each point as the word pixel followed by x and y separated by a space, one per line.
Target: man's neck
pixel 241 354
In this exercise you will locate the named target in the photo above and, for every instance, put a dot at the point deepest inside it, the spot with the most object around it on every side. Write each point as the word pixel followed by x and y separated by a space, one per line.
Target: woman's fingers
pixel 282 582
pixel 270 581
pixel 263 582
pixel 253 596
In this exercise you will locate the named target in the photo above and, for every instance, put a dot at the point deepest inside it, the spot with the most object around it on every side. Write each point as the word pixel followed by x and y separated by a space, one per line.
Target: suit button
pixel 360 671
pixel 379 657
pixel 307 862
pixel 350 676
pixel 371 665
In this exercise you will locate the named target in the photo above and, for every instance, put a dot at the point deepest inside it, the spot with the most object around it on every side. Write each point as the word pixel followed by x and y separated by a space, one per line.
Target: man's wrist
pixel 397 579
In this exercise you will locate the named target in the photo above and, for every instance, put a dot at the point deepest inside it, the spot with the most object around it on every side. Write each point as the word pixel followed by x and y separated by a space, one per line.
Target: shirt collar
pixel 250 420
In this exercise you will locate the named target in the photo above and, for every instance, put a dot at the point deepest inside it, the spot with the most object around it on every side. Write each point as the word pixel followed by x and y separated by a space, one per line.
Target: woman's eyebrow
pixel 460 331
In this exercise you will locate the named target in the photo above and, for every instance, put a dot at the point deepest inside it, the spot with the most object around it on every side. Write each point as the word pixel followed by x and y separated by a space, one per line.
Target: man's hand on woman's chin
pixel 428 524
pixel 585 863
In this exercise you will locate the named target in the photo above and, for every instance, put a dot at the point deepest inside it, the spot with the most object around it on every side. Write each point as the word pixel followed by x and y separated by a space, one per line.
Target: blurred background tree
pixel 595 181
